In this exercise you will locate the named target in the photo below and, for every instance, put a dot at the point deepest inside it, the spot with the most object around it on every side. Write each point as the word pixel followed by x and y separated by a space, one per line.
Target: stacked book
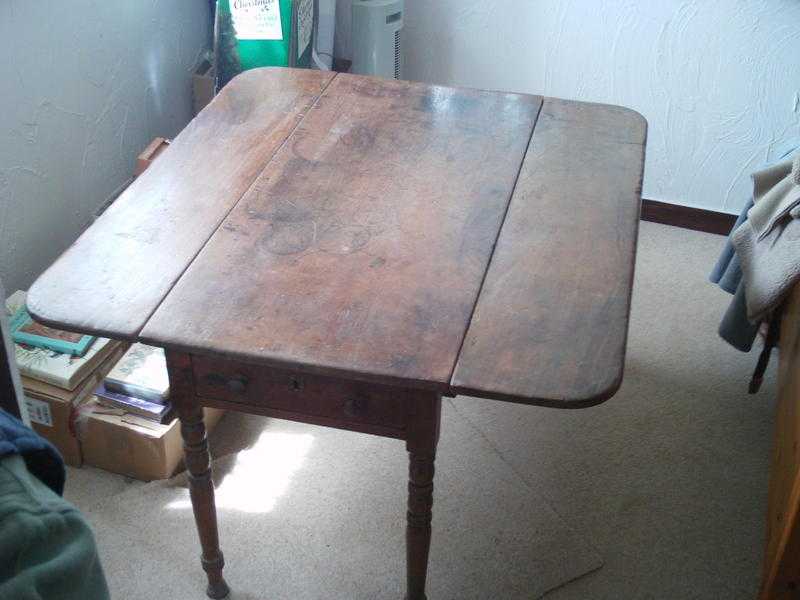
pixel 100 402
pixel 59 371
pixel 72 368
pixel 138 385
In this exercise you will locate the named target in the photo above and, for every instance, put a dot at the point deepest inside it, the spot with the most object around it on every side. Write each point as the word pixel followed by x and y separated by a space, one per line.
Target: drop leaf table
pixel 345 251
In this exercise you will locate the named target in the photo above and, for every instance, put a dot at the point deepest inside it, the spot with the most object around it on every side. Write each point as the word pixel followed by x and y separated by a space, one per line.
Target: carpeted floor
pixel 658 493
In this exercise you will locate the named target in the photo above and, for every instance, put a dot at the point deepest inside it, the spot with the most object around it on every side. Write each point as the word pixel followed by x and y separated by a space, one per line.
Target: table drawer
pixel 300 393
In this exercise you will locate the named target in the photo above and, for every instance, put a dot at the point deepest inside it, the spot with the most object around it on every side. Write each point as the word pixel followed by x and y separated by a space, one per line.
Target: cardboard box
pixel 51 419
pixel 133 446
pixel 203 81
pixel 149 154
pixel 53 410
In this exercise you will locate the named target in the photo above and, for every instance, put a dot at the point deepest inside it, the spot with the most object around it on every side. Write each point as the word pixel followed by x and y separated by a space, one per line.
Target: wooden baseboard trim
pixel 687 217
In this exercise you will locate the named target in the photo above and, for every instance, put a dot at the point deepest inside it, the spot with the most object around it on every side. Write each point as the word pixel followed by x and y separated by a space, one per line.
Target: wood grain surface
pixel 361 248
pixel 781 569
pixel 551 321
pixel 342 225
pixel 114 276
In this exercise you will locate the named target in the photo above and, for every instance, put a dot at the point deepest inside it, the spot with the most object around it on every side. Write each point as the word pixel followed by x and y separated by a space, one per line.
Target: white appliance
pixel 323 35
pixel 376 38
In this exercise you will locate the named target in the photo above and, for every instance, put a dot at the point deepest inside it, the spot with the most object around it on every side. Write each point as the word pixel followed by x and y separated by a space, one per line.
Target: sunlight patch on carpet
pixel 260 475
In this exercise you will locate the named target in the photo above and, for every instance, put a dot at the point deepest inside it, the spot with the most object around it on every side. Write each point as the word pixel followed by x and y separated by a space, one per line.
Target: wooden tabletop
pixel 459 240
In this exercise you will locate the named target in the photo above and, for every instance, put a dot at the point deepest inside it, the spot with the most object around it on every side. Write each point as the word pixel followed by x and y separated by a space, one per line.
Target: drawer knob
pixel 355 407
pixel 237 385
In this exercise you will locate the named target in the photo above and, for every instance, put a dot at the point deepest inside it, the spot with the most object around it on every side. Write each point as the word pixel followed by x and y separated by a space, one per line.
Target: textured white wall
pixel 718 81
pixel 85 86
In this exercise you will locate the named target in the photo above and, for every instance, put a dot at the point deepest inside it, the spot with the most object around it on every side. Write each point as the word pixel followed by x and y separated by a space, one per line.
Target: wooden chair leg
pixel 198 465
pixel 421 444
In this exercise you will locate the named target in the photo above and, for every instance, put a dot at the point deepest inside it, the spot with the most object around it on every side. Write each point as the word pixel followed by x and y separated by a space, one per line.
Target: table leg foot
pixel 218 590
pixel 217 587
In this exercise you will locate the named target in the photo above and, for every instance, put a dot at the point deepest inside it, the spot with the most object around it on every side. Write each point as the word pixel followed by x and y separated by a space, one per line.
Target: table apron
pixel 353 405
pixel 311 419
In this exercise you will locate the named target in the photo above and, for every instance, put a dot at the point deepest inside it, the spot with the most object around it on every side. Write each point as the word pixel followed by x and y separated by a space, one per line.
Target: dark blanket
pixel 41 457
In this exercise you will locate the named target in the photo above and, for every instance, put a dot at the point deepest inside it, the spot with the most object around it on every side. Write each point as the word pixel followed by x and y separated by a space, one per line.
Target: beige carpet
pixel 666 481
pixel 310 512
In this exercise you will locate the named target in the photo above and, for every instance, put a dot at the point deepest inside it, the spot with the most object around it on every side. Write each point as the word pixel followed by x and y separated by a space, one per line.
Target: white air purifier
pixel 376 38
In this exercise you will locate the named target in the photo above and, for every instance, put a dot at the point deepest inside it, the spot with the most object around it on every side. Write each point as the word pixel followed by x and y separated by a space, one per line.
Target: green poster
pixel 272 32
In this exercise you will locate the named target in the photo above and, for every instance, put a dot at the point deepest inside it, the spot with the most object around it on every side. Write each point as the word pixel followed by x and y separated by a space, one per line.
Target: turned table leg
pixel 198 465
pixel 421 444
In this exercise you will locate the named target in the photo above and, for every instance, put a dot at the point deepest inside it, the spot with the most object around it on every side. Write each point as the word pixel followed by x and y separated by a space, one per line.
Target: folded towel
pixel 768 243
pixel 776 195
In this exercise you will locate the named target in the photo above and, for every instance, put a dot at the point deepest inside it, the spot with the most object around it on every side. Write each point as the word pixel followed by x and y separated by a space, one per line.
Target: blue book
pixel 28 332
pixel 137 406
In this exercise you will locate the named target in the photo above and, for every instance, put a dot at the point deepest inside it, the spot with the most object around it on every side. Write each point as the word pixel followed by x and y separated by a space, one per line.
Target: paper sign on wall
pixel 257 19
